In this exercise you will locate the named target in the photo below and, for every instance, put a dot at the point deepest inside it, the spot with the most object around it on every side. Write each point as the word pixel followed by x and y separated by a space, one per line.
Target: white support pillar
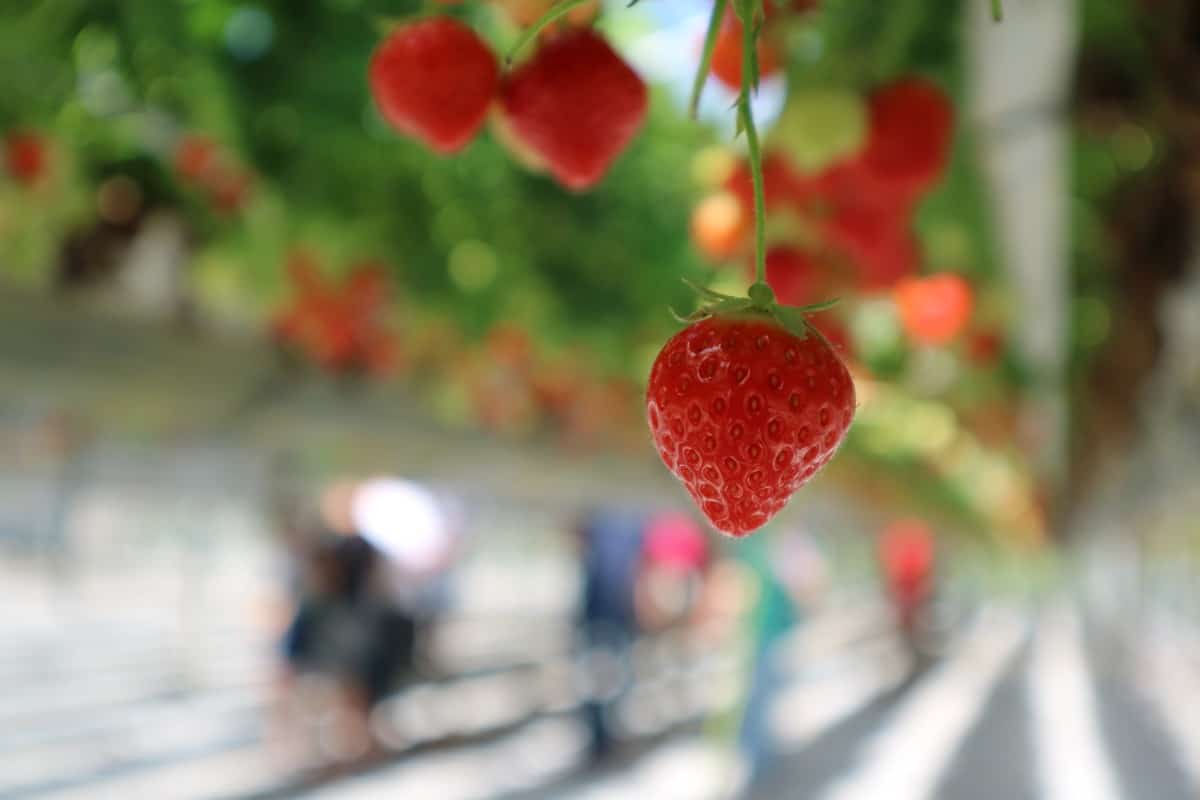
pixel 1019 73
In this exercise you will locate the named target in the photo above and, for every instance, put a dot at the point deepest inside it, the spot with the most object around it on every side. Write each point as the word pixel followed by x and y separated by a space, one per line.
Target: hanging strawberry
pixel 575 104
pixel 748 401
pixel 433 80
pixel 745 405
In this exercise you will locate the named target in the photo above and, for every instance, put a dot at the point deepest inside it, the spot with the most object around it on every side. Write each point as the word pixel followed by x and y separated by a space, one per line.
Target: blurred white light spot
pixel 403 520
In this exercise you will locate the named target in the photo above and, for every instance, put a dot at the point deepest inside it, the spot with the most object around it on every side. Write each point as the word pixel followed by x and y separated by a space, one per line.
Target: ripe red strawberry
pixel 433 80
pixel 912 122
pixel 577 105
pixel 935 309
pixel 25 156
pixel 744 413
pixel 727 53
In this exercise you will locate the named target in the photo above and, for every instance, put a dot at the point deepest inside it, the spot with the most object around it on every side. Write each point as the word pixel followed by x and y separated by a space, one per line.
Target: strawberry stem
pixel 710 42
pixel 997 10
pixel 749 83
pixel 559 10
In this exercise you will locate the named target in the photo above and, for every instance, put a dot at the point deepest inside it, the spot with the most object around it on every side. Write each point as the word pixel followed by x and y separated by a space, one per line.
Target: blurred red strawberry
pixel 907 555
pixel 195 155
pixel 434 80
pixel 876 241
pixel 912 123
pixel 576 104
pixel 984 347
pixel 935 309
pixel 781 183
pixel 26 156
pixel 720 226
pixel 339 327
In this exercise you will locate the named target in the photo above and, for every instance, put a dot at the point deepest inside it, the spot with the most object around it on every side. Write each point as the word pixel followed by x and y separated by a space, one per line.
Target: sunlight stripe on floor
pixel 811 707
pixel 906 758
pixel 1071 759
pixel 1170 682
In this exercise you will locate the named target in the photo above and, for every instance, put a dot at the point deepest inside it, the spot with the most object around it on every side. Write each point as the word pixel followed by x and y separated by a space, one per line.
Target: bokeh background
pixel 205 518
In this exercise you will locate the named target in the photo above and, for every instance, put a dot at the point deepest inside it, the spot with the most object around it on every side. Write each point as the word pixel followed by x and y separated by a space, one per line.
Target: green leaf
pixel 818 307
pixel 707 293
pixel 710 42
pixel 791 319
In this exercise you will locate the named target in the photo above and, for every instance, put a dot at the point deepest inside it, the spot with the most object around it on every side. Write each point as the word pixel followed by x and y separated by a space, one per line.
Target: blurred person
pixel 419 539
pixel 790 575
pixel 345 628
pixel 331 634
pixel 907 560
pixel 610 542
pixel 671 571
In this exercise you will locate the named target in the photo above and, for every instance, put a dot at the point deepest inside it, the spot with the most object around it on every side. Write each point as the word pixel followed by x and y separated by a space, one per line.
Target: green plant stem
pixel 749 43
pixel 530 33
pixel 710 42
pixel 997 10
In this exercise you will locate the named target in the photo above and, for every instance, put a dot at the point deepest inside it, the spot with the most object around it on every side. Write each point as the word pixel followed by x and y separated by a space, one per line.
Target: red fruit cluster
pixel 25 156
pixel 858 212
pixel 512 388
pixel 338 326
pixel 744 413
pixel 572 108
pixel 201 162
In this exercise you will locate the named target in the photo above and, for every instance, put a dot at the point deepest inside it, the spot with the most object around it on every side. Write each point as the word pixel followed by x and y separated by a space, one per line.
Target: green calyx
pixel 758 302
